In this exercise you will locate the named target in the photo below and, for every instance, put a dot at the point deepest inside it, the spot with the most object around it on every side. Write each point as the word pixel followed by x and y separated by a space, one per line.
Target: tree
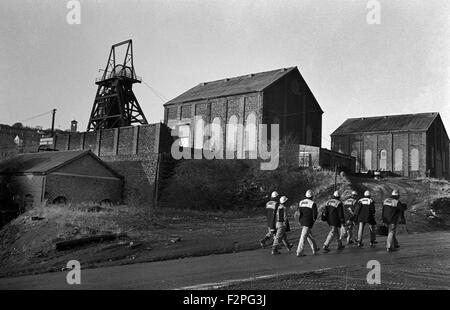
pixel 17 125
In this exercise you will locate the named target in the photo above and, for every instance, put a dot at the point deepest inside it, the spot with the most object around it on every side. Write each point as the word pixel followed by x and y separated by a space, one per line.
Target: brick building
pixel 135 152
pixel 317 157
pixel 273 97
pixel 408 145
pixel 73 176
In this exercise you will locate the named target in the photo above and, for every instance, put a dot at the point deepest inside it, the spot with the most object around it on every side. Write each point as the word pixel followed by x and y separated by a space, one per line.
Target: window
pixel 199 132
pixel 368 160
pixel 383 160
pixel 215 141
pixel 398 160
pixel 232 131
pixel 184 132
pixel 414 159
pixel 355 154
pixel 250 133
pixel 305 159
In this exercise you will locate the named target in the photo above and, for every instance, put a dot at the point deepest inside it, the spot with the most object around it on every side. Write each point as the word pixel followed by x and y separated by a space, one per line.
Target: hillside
pixel 28 244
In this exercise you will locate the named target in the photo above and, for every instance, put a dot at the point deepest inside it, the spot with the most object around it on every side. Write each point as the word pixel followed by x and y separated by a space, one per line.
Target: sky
pixel 354 69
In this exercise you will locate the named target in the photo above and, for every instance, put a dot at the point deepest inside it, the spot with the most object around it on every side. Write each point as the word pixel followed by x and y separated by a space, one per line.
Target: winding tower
pixel 115 104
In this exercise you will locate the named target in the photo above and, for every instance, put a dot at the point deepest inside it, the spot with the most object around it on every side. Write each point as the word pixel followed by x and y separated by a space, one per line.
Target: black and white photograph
pixel 225 150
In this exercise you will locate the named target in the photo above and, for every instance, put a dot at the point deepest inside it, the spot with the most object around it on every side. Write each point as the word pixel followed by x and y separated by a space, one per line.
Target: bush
pixel 240 184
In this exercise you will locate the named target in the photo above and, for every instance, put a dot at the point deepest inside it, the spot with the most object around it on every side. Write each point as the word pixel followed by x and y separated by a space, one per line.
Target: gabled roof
pixel 232 86
pixel 404 122
pixel 45 162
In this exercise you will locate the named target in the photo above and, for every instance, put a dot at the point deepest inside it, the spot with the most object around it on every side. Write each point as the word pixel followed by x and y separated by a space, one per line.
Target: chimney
pixel 73 126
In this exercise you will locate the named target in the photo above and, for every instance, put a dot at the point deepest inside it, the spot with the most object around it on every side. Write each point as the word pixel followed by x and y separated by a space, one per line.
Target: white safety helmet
pixel 274 194
pixel 283 199
pixel 336 194
pixel 366 194
pixel 308 194
pixel 354 194
pixel 395 193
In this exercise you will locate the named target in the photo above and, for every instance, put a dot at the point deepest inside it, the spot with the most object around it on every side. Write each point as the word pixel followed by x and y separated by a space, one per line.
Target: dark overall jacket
pixel 308 212
pixel 365 211
pixel 271 206
pixel 335 212
pixel 392 210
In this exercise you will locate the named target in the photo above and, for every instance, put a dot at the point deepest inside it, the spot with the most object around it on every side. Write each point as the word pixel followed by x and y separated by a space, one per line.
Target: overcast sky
pixel 353 68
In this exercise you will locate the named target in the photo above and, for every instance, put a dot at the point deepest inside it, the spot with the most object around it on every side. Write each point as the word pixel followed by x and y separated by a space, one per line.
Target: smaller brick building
pixel 315 157
pixel 409 145
pixel 71 176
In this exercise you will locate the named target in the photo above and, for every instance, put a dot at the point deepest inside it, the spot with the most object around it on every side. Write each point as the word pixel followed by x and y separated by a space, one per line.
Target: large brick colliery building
pixel 409 145
pixel 273 97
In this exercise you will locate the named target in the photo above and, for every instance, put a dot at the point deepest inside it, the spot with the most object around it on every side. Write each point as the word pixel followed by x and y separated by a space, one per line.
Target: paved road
pixel 202 272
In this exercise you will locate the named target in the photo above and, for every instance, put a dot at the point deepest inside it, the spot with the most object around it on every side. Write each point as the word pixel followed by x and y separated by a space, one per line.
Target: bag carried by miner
pixel 382 230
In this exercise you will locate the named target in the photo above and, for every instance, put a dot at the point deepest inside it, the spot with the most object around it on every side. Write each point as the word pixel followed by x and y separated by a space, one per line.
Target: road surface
pixel 216 270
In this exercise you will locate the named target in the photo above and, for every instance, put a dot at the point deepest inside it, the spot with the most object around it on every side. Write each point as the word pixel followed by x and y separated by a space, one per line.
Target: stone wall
pixel 133 152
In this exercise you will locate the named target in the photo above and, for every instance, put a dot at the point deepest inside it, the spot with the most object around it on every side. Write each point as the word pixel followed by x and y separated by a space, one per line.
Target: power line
pixel 36 116
pixel 157 93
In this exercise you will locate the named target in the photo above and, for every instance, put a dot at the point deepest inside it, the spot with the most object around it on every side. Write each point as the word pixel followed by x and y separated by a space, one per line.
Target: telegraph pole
pixel 53 122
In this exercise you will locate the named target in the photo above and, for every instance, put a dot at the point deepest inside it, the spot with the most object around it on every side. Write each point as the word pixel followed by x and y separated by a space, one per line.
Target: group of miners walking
pixel 344 217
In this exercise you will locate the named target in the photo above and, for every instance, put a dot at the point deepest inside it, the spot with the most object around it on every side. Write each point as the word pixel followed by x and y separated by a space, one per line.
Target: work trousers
pixel 391 241
pixel 347 231
pixel 361 232
pixel 334 233
pixel 306 234
pixel 280 237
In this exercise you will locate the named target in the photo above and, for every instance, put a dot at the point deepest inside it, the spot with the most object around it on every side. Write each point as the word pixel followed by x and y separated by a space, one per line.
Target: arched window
pixel 250 133
pixel 398 160
pixel 199 132
pixel 383 160
pixel 414 159
pixel 368 160
pixel 232 131
pixel 216 134
pixel 354 153
pixel 184 132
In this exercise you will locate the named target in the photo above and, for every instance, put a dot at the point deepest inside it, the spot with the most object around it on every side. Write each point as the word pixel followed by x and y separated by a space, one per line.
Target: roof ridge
pixel 392 115
pixel 246 75
pixel 253 82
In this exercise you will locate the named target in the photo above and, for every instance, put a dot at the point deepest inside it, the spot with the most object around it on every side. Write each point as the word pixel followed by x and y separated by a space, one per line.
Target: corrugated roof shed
pixel 232 86
pixel 42 162
pixel 405 122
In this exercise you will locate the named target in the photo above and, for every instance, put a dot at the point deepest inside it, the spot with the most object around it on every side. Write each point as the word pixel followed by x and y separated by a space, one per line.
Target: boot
pixel 325 249
pixel 289 247
pixel 275 252
pixel 262 242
